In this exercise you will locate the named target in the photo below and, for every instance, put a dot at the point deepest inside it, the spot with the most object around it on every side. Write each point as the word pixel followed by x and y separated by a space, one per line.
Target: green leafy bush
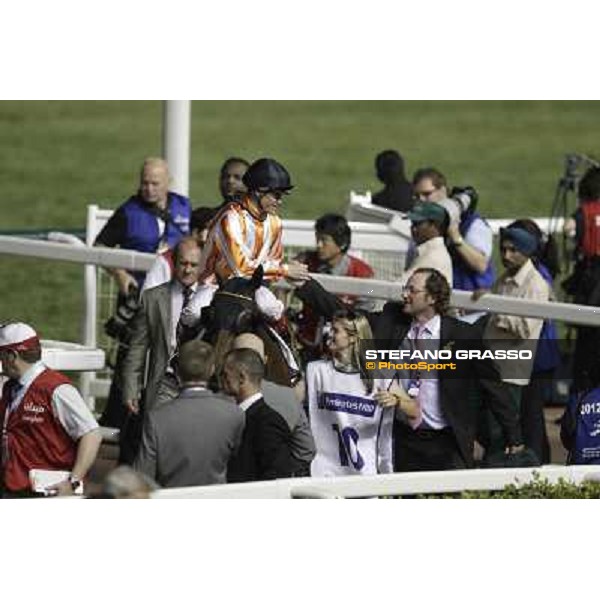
pixel 537 489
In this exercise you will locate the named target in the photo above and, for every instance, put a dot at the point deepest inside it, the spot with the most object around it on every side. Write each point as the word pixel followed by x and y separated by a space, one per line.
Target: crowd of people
pixel 195 409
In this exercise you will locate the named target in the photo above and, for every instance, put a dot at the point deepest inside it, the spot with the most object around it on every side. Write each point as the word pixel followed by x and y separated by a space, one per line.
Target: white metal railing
pixel 103 257
pixel 382 244
pixel 393 484
pixel 365 236
pixel 386 290
pixel 361 208
pixel 66 356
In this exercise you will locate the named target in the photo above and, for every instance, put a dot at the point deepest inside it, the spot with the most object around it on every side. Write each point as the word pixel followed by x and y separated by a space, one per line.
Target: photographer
pixel 150 221
pixel 469 238
pixel 470 241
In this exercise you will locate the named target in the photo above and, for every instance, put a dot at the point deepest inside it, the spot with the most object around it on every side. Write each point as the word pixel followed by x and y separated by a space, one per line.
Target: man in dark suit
pixel 286 402
pixel 190 440
pixel 265 450
pixel 443 437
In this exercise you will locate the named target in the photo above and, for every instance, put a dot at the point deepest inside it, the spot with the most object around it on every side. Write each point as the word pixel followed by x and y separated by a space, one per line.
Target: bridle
pixel 233 295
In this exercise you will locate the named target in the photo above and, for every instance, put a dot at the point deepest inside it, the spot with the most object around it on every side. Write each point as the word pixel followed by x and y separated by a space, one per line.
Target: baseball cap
pixel 18 337
pixel 427 211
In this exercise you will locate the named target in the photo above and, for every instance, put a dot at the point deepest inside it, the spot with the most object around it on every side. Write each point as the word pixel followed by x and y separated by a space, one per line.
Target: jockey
pixel 248 233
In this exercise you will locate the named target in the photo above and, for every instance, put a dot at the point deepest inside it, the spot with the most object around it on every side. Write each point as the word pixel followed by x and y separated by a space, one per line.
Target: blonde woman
pixel 351 414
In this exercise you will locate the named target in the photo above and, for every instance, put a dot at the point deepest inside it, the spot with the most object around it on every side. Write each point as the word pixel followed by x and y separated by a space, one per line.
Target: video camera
pixel 575 164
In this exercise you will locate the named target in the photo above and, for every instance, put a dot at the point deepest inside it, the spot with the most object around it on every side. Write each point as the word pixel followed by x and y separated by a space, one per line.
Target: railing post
pixel 176 143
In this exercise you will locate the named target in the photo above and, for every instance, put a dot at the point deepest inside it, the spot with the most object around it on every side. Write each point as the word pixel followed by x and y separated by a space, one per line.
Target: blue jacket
pixel 142 226
pixel 465 278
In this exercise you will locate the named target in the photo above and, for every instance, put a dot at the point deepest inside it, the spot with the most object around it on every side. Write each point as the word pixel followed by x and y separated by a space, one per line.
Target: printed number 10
pixel 348 447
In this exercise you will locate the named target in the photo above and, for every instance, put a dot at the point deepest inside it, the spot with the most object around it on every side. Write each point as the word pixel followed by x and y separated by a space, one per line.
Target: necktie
pixel 414 385
pixel 16 388
pixel 187 296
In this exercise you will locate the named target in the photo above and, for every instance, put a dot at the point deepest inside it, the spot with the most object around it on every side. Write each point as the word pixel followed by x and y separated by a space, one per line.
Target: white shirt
pixel 429 387
pixel 250 400
pixel 480 236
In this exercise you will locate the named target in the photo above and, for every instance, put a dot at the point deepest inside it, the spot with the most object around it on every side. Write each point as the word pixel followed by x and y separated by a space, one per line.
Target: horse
pixel 232 311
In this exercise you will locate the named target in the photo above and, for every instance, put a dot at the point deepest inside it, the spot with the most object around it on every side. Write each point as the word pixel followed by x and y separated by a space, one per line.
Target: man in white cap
pixel 45 422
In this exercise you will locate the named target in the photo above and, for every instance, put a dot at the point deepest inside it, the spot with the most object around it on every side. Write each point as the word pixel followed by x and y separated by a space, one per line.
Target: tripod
pixel 564 197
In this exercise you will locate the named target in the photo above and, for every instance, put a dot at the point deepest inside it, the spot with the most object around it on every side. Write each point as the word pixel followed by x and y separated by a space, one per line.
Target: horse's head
pixel 233 307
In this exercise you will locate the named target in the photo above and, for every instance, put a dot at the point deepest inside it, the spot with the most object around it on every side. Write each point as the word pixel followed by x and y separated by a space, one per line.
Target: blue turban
pixel 525 242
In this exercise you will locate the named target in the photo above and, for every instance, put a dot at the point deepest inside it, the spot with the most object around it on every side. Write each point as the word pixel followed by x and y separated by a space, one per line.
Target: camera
pixel 118 326
pixel 466 198
pixel 461 200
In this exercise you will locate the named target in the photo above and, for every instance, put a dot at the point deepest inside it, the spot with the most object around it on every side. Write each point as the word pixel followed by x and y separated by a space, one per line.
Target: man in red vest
pixel 45 422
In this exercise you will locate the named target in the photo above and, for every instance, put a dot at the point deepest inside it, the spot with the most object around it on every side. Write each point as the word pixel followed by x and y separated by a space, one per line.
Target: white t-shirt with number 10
pixel 352 433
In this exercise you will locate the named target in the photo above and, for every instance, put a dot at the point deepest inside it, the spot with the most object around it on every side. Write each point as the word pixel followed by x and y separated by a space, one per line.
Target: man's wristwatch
pixel 74 482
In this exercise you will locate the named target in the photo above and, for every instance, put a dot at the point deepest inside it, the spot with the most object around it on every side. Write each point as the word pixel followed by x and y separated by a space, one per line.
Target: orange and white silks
pixel 240 240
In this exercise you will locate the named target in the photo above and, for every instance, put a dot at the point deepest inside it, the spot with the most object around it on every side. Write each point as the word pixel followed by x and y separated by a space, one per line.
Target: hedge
pixel 537 489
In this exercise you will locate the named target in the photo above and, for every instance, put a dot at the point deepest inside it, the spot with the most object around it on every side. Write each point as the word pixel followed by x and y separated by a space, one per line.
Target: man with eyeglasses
pixel 468 236
pixel 443 435
pixel 429 185
pixel 248 233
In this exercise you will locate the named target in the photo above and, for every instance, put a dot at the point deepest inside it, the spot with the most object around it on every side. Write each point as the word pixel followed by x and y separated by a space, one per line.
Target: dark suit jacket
pixel 265 449
pixel 390 327
pixel 190 440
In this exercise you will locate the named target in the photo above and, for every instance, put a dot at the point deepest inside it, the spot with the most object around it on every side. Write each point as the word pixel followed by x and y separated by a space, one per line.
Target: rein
pixel 232 295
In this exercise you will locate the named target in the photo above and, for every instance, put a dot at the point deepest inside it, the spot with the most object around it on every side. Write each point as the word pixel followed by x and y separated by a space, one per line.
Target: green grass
pixel 58 157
